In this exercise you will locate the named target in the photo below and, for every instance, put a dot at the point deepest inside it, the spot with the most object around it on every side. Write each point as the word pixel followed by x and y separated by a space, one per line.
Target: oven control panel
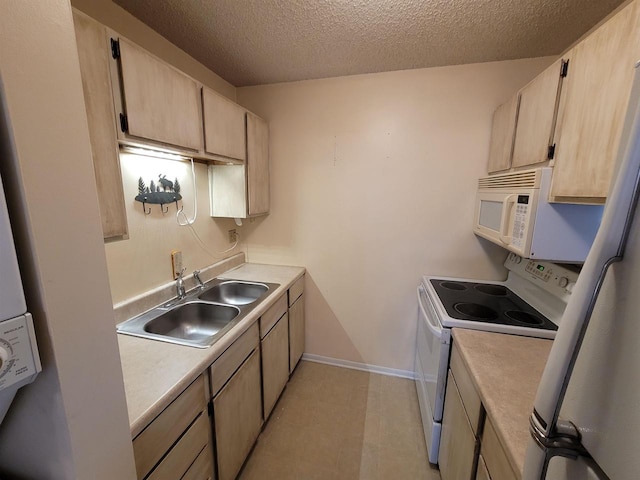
pixel 555 278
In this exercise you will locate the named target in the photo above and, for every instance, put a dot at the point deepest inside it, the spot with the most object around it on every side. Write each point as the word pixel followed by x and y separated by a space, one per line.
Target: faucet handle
pixel 196 275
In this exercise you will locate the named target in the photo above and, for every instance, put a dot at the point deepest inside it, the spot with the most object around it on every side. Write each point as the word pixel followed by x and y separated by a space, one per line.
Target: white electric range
pixel 529 302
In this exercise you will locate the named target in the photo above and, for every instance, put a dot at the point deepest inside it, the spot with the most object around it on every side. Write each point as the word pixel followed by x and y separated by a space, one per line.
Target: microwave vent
pixel 522 179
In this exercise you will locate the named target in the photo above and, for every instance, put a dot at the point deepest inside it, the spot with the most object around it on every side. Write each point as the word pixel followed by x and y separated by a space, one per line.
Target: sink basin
pixel 202 316
pixel 195 321
pixel 234 292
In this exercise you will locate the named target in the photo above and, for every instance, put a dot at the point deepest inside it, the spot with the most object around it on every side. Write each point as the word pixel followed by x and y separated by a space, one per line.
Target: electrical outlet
pixel 232 235
pixel 176 263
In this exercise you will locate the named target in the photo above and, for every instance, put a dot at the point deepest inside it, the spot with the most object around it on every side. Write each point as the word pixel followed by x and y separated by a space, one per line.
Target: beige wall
pixel 118 19
pixel 143 262
pixel 372 181
pixel 72 421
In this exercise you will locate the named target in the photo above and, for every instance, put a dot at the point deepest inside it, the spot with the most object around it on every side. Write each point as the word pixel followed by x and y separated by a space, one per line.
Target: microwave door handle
pixel 437 332
pixel 507 203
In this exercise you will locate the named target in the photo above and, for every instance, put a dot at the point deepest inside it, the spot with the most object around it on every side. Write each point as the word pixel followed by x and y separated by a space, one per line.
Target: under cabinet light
pixel 148 152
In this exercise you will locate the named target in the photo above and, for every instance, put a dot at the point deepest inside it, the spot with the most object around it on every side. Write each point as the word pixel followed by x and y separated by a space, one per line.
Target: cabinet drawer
pixel 154 441
pixel 202 468
pixel 296 290
pixel 470 398
pixel 271 316
pixel 494 455
pixel 183 454
pixel 232 358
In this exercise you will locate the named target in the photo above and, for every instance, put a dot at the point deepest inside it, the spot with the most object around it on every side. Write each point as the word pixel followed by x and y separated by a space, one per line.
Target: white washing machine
pixel 19 359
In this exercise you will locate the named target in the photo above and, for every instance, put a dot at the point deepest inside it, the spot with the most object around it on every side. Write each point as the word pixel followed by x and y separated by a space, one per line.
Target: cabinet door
pixel 224 126
pixel 502 135
pixel 482 473
pixel 237 411
pixel 275 363
pixel 592 108
pixel 296 332
pixel 457 442
pixel 161 103
pixel 93 53
pixel 537 117
pixel 257 165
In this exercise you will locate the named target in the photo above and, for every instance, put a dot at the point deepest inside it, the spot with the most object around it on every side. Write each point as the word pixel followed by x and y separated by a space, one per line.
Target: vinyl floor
pixel 337 423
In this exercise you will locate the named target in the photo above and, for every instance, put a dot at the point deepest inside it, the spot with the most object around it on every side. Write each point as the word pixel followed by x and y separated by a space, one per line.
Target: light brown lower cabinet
pixel 171 442
pixel 202 467
pixel 482 473
pixel 458 444
pixel 180 458
pixel 275 363
pixel 495 457
pixel 296 332
pixel 237 412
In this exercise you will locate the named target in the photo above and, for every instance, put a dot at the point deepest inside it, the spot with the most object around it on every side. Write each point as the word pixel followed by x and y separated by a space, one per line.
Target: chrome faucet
pixel 180 290
pixel 196 275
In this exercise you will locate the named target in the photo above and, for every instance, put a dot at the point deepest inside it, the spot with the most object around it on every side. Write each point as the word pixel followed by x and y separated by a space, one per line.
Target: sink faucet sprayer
pixel 196 275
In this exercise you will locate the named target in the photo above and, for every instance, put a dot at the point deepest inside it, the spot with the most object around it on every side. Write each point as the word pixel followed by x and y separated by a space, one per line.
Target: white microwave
pixel 513 211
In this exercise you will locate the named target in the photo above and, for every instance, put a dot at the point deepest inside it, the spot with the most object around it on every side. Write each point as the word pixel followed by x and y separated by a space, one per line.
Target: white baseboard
pixel 336 362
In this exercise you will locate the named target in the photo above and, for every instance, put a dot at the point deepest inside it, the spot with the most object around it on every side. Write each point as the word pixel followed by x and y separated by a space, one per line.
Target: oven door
pixel 433 343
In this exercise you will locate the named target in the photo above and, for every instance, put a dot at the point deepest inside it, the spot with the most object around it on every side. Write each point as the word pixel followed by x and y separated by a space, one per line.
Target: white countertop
pixel 156 372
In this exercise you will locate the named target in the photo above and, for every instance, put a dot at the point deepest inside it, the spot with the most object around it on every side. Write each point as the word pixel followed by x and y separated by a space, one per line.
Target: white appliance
pixel 513 211
pixel 529 302
pixel 586 415
pixel 19 360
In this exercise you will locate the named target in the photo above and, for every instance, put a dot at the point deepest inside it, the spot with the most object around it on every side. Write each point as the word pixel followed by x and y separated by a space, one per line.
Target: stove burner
pixel 497 290
pixel 476 311
pixel 453 286
pixel 524 317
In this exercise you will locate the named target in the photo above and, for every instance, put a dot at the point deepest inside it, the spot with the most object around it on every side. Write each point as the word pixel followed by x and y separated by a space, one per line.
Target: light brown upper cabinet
pixel 502 135
pixel 257 164
pixel 93 53
pixel 224 126
pixel 537 117
pixel 592 109
pixel 160 103
pixel 241 191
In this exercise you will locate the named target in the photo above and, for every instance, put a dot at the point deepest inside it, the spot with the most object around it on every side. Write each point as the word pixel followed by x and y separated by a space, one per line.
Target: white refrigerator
pixel 586 418
pixel 19 359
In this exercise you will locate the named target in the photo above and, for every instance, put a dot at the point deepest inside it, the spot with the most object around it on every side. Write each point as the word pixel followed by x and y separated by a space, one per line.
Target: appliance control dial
pixel 517 259
pixel 563 282
pixel 19 360
pixel 6 352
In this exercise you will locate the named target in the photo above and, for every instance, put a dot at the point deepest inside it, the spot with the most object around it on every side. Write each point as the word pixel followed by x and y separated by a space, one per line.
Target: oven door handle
pixel 435 330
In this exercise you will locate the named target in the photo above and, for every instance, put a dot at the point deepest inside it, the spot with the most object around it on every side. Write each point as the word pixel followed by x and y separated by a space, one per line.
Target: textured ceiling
pixel 253 42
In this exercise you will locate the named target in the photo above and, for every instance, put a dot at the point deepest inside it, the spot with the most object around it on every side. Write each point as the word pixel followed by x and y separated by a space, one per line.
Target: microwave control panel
pixel 520 221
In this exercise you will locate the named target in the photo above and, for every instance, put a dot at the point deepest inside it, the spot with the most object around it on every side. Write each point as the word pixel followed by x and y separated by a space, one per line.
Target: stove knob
pixel 563 282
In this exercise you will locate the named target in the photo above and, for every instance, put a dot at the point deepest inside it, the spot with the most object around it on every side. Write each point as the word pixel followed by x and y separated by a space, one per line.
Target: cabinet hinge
pixel 551 152
pixel 564 69
pixel 210 409
pixel 115 48
pixel 124 123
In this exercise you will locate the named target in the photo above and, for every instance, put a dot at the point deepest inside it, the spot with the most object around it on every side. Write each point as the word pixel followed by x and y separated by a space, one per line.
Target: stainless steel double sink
pixel 202 316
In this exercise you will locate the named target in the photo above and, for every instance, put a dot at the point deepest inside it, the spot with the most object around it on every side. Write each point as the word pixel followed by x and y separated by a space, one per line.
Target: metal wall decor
pixel 161 193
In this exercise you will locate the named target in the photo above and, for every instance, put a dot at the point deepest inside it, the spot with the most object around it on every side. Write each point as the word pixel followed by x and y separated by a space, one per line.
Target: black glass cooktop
pixel 485 302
